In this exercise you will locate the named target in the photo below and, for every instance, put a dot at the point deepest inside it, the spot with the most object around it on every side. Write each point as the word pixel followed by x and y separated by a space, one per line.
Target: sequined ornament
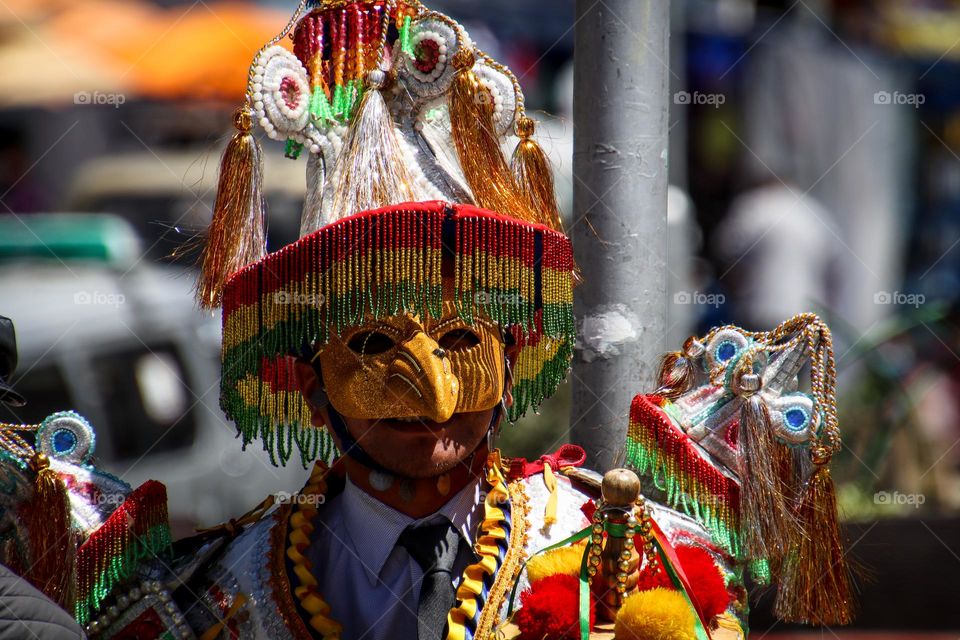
pixel 54 500
pixel 733 444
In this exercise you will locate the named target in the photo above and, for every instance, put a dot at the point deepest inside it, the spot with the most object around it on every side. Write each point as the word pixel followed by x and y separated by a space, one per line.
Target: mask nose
pixel 426 381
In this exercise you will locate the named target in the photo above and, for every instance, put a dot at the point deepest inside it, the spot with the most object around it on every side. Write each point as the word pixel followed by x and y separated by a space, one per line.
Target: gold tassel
pixel 767 525
pixel 370 171
pixel 477 144
pixel 236 236
pixel 815 581
pixel 52 545
pixel 675 375
pixel 531 170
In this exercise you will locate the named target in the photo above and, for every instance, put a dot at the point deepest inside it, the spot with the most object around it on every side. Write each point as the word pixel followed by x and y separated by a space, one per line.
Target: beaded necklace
pixel 500 546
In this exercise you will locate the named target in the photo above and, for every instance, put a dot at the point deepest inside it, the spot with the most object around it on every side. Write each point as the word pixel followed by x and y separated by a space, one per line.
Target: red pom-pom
pixel 708 588
pixel 651 580
pixel 550 608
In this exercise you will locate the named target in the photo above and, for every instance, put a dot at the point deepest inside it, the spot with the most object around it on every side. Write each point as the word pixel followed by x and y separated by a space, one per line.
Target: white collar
pixel 374 527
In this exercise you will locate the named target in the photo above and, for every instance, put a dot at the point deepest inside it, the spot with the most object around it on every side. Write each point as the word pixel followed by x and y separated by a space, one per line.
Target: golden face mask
pixel 406 366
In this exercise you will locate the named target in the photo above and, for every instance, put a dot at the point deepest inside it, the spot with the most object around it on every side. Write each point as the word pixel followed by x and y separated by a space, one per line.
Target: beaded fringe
pixel 139 529
pixel 380 264
pixel 52 546
pixel 668 456
pixel 352 37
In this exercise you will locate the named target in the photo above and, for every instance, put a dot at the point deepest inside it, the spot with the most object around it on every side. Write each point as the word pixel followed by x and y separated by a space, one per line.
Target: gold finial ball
pixel 693 348
pixel 525 127
pixel 464 59
pixel 39 462
pixel 243 120
pixel 620 487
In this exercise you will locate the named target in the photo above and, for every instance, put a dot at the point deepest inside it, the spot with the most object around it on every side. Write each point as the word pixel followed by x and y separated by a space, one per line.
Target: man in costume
pixel 24 610
pixel 428 299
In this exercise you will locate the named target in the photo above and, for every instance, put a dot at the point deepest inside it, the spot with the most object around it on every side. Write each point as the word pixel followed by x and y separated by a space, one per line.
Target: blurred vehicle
pixel 117 338
pixel 167 196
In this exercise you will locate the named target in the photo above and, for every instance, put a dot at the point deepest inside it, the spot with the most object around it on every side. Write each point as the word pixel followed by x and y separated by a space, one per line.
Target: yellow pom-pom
pixel 658 613
pixel 562 561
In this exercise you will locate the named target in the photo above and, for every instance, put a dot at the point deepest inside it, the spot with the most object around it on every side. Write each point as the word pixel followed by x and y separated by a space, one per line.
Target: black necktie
pixel 434 547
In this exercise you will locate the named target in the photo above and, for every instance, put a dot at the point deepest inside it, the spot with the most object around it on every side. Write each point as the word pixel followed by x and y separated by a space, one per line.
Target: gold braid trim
pixel 300 528
pixel 279 581
pixel 512 562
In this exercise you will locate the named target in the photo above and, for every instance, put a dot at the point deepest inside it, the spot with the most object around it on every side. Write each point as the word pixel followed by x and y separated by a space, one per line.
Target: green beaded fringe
pixel 121 568
pixel 651 462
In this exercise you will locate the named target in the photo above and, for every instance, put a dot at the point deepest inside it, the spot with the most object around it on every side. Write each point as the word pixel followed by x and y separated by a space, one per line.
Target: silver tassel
pixel 312 217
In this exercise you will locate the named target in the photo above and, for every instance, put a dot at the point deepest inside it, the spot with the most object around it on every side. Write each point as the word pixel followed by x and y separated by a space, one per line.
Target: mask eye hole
pixel 370 343
pixel 458 340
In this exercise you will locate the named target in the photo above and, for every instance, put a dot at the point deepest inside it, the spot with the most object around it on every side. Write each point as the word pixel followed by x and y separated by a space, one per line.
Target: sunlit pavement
pixel 856 635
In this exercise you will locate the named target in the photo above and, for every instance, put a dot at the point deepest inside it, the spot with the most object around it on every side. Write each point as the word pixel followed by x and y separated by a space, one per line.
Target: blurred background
pixel 813 162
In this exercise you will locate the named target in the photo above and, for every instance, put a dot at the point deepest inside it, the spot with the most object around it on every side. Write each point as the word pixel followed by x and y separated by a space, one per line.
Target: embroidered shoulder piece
pixel 135 532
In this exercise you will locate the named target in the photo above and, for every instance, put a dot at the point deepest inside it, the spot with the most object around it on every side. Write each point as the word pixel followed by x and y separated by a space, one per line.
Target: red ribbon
pixel 568 455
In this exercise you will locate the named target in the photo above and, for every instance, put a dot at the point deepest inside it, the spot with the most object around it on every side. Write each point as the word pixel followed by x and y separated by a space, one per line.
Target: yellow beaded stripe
pixel 298 298
pixel 492 535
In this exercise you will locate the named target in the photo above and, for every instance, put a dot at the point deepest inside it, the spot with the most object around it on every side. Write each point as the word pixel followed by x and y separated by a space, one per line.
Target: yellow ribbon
pixel 550 481
pixel 214 631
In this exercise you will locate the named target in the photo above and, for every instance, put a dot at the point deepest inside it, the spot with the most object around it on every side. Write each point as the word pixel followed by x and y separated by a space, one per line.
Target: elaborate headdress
pixel 401 119
pixel 729 439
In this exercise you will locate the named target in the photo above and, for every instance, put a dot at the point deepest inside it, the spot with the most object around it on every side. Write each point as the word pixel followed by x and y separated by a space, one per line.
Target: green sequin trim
pixel 293 149
pixel 406 42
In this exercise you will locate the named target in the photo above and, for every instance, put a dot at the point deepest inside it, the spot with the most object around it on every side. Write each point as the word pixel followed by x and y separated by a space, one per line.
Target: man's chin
pixel 402 456
pixel 419 447
pixel 416 424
